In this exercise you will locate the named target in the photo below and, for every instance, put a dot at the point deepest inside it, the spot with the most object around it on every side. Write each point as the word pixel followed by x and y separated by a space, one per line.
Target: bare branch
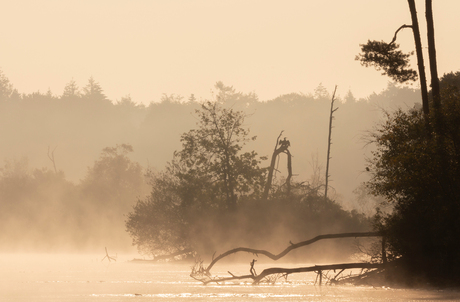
pixel 396 33
pixel 290 247
pixel 108 257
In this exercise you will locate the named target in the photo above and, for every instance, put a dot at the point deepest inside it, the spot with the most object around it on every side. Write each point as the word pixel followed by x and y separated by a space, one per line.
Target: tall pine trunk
pixel 420 64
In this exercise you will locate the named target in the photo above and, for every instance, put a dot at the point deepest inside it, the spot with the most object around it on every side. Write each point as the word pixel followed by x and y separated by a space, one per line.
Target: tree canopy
pixel 208 175
pixel 387 57
pixel 214 152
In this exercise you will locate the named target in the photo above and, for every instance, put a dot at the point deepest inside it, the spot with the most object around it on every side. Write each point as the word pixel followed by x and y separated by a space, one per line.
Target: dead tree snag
pixel 329 142
pixel 280 147
pixel 51 158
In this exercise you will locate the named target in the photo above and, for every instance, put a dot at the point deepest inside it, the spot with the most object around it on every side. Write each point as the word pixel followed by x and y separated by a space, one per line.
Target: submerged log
pixel 287 271
pixel 341 266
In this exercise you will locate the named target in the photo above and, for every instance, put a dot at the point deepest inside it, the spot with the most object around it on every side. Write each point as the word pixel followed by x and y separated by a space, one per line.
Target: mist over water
pixel 28 277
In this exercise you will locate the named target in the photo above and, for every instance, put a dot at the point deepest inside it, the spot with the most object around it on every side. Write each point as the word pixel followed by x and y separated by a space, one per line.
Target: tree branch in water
pixel 291 247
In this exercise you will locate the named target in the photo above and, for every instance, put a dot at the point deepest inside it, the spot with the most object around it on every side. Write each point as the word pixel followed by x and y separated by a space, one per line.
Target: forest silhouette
pixel 75 164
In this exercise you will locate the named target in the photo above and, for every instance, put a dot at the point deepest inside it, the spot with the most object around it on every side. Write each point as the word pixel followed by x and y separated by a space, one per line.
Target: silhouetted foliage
pixel 423 185
pixel 387 57
pixel 206 177
pixel 214 152
pixel 396 64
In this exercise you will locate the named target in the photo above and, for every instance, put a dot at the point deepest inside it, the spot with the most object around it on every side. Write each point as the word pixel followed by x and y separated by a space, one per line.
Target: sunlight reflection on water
pixel 86 278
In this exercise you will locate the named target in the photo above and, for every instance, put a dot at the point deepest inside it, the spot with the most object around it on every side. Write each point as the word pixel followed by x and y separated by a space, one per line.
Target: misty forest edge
pixel 117 156
pixel 214 192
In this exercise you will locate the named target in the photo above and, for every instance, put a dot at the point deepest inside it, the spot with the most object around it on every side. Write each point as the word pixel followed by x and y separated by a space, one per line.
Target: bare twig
pixel 396 33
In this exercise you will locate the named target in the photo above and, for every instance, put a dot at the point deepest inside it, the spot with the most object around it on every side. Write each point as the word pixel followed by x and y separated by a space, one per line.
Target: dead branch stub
pixel 110 258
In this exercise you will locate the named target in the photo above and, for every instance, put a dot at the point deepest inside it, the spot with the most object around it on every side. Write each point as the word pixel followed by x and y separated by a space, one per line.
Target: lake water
pixel 86 278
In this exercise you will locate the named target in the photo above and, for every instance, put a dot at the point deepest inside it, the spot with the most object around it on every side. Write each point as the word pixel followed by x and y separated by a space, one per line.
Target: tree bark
pixel 432 55
pixel 439 123
pixel 420 64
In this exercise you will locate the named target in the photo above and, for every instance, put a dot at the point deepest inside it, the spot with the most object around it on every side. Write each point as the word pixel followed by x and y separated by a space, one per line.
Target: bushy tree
pixel 108 191
pixel 158 223
pixel 214 152
pixel 420 175
pixel 114 175
pixel 205 178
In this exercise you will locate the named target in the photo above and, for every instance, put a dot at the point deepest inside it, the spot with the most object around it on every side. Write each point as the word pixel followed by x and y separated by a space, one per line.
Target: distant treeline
pixel 54 177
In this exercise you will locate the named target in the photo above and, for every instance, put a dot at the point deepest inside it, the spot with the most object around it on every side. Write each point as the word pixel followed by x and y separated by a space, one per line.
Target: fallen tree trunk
pixel 289 248
pixel 319 268
pixel 287 271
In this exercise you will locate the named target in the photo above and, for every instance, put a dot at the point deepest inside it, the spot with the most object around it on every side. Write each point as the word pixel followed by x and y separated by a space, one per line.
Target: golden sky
pixel 147 48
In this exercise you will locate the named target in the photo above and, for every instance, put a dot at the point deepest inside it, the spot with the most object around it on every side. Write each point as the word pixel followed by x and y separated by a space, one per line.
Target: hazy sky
pixel 147 48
